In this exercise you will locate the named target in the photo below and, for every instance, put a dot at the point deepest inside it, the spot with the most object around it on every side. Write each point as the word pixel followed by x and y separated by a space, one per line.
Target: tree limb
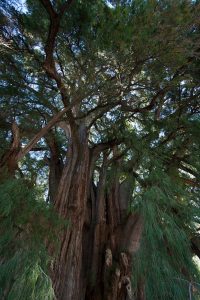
pixel 41 133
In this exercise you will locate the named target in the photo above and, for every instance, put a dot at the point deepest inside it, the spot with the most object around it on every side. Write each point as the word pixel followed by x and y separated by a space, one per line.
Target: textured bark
pixel 55 168
pixel 71 204
pixel 96 249
pixel 83 268
pixel 141 290
pixel 94 261
pixel 8 162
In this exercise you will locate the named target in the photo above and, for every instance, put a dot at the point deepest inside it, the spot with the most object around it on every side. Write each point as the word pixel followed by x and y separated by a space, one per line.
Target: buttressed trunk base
pixel 94 261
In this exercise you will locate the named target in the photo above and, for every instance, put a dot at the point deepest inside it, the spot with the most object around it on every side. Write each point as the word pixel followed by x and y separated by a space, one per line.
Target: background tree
pixel 100 132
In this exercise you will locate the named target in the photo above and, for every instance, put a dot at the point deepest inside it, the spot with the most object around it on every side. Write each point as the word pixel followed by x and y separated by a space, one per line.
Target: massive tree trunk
pixel 71 204
pixel 94 261
pixel 96 249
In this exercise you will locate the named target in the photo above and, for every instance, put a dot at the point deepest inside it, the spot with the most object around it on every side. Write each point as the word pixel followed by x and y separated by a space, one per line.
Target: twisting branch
pixel 150 106
pixel 53 30
pixel 49 63
pixel 49 8
pixel 55 19
pixel 41 133
pixel 45 129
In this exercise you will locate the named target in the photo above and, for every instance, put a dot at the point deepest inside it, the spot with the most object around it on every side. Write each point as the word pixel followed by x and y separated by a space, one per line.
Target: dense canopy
pixel 99 149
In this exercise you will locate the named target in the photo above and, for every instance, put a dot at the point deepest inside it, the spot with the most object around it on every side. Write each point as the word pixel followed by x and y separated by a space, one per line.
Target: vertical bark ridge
pixel 99 225
pixel 9 161
pixel 115 242
pixel 71 204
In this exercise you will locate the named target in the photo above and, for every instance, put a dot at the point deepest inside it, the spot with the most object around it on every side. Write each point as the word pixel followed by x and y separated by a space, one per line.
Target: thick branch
pixel 49 8
pixel 53 30
pixel 99 111
pixel 10 158
pixel 49 64
pixel 41 133
pixel 55 19
pixel 104 146
pixel 150 106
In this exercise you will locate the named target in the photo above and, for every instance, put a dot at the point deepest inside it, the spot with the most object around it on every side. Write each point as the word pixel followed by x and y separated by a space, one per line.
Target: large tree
pixel 99 155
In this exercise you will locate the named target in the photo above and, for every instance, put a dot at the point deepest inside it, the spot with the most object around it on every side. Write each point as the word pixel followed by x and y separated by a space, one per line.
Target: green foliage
pixel 23 276
pixel 164 261
pixel 26 222
pixel 134 66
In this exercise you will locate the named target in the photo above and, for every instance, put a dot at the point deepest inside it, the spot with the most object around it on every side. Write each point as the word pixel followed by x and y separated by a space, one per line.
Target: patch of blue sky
pixel 20 5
